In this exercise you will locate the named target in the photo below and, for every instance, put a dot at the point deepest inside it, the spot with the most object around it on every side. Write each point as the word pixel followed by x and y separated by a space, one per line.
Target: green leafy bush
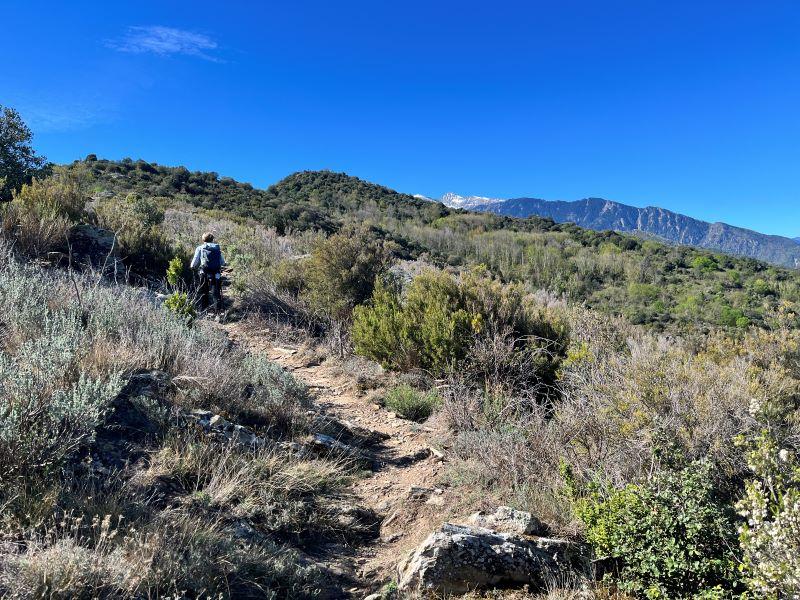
pixel 179 303
pixel 667 538
pixel 341 272
pixel 705 264
pixel 429 328
pixel 410 403
pixel 137 220
pixel 175 272
pixel 440 318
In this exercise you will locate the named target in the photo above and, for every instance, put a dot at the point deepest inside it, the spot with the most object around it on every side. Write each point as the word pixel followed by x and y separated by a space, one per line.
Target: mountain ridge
pixel 601 214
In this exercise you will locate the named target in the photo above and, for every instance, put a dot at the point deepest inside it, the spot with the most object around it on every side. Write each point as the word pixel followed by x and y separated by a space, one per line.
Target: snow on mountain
pixel 453 200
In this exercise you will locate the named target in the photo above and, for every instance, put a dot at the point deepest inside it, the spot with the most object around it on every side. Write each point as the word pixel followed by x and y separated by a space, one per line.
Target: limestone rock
pixel 219 427
pixel 460 558
pixel 324 445
pixel 346 431
pixel 508 520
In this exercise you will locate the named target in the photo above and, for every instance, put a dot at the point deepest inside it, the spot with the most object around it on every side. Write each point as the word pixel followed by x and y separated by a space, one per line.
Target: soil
pixel 407 460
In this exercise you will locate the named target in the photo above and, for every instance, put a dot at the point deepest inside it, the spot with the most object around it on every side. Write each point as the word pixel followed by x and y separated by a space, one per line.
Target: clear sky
pixel 692 106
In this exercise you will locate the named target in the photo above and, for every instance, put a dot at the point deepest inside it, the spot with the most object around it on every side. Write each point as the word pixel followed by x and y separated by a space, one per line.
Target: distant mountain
pixel 600 214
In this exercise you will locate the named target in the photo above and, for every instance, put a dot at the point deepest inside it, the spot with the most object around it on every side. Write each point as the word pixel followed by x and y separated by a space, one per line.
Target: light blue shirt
pixel 196 258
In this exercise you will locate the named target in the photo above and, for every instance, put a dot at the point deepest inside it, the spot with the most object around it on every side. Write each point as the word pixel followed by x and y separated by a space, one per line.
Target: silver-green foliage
pixel 48 407
pixel 271 395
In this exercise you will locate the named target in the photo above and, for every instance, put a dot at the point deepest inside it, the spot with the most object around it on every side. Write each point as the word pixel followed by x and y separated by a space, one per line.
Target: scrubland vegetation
pixel 641 398
pixel 665 288
pixel 92 506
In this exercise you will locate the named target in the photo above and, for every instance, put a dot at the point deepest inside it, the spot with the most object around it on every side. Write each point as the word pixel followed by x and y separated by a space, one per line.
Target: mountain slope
pixel 600 214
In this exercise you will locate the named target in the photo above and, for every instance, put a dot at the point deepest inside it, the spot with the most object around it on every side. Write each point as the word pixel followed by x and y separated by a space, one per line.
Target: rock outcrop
pixel 508 520
pixel 460 558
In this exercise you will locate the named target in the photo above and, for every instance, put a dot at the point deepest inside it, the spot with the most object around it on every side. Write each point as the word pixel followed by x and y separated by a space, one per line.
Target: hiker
pixel 208 260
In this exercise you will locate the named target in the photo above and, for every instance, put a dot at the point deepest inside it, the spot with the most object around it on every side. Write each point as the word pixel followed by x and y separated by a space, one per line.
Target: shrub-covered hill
pixel 662 286
pixel 305 200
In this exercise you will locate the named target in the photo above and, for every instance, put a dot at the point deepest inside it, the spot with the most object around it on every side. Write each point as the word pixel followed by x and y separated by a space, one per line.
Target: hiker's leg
pixel 218 291
pixel 203 291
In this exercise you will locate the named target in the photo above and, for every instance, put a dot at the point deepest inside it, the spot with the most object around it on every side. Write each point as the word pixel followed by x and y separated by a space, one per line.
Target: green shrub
pixel 643 292
pixel 669 537
pixel 175 272
pixel 137 220
pixel 429 328
pixel 179 303
pixel 341 272
pixel 733 317
pixel 410 403
pixel 762 288
pixel 705 264
pixel 41 214
pixel 440 318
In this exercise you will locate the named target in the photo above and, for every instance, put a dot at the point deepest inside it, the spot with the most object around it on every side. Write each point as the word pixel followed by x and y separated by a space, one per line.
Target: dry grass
pixel 287 497
pixel 191 518
pixel 175 555
pixel 629 403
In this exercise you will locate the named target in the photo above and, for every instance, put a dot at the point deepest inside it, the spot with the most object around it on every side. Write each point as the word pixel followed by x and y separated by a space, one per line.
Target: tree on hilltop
pixel 19 162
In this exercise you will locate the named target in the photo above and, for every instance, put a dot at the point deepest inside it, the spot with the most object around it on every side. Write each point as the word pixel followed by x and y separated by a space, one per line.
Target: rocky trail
pixel 424 538
pixel 401 484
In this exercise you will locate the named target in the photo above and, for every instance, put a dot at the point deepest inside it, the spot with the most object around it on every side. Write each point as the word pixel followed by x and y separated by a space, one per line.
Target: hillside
pixel 307 200
pixel 396 400
pixel 663 286
pixel 600 214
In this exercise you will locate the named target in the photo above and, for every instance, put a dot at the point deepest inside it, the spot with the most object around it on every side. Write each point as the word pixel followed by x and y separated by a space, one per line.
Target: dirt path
pixel 402 487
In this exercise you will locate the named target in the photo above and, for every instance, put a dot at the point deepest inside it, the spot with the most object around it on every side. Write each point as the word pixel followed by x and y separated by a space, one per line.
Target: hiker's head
pixel 208 237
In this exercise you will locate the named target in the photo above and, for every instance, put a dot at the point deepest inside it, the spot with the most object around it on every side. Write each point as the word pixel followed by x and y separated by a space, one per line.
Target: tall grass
pixel 192 518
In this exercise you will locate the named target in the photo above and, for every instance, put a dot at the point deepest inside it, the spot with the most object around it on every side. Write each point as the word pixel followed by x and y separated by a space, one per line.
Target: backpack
pixel 210 258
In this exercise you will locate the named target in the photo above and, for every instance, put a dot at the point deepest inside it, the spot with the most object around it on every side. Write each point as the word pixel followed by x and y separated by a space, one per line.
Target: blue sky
pixel 693 106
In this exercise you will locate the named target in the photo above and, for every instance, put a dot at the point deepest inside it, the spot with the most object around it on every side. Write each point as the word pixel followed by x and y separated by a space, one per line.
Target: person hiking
pixel 208 261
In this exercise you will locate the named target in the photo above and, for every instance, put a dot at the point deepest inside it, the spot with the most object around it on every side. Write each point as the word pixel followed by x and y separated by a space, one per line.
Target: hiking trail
pixel 403 486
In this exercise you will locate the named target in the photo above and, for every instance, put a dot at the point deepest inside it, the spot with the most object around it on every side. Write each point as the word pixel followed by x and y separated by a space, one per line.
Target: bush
pixel 175 272
pixel 50 408
pixel 179 304
pixel 669 537
pixel 271 398
pixel 704 264
pixel 437 321
pixel 770 537
pixel 41 214
pixel 428 329
pixel 342 270
pixel 136 221
pixel 762 288
pixel 410 403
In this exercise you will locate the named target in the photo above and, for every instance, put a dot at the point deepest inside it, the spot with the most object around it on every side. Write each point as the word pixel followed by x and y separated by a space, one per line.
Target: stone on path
pixel 459 558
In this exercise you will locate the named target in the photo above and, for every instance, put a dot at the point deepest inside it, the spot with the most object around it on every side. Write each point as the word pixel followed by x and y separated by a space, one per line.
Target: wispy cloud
pixel 165 41
pixel 57 114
